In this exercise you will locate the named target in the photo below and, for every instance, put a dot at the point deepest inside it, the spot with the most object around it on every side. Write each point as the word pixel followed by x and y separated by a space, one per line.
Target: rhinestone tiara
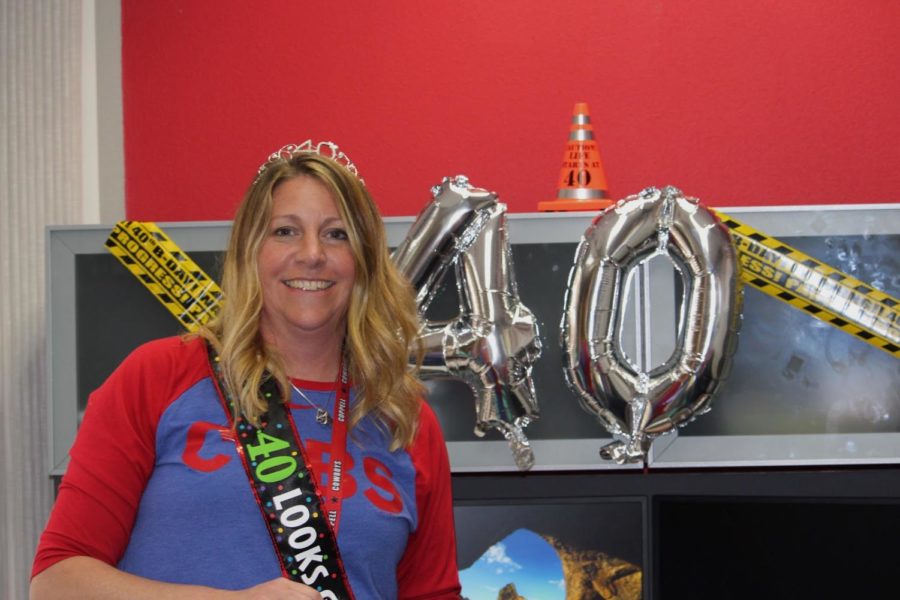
pixel 326 149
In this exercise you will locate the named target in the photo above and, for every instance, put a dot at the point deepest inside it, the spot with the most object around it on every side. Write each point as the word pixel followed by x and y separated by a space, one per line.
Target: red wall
pixel 738 103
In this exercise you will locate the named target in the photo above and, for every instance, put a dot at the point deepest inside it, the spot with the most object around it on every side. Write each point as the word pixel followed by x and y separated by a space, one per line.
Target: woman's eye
pixel 337 234
pixel 282 231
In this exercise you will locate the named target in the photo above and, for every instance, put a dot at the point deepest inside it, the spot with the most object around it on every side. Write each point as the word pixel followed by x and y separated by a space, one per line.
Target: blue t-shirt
pixel 155 450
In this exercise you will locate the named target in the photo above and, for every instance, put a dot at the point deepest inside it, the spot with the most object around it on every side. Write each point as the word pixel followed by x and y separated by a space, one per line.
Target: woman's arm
pixel 82 577
pixel 428 567
pixel 113 456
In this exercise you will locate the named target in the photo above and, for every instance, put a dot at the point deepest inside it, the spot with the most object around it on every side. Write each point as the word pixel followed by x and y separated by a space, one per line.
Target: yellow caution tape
pixel 164 269
pixel 812 286
pixel 768 264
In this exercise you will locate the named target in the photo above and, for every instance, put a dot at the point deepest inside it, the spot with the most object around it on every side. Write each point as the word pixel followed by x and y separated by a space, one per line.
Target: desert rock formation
pixel 594 575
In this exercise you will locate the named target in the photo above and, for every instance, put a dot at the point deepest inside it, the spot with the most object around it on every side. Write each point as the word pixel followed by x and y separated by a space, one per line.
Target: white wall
pixel 60 163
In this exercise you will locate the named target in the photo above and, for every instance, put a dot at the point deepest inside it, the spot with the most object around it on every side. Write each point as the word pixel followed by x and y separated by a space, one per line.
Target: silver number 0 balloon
pixel 637 405
pixel 494 341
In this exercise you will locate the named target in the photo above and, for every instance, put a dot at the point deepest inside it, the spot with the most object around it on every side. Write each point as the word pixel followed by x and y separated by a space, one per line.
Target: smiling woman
pixel 218 452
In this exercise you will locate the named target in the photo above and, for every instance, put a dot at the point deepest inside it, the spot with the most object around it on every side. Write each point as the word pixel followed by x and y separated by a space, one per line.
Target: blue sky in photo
pixel 523 558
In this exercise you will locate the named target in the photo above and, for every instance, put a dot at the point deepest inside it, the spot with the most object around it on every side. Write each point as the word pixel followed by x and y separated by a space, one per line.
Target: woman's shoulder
pixel 169 358
pixel 428 428
pixel 174 348
pixel 426 414
pixel 145 384
pixel 429 451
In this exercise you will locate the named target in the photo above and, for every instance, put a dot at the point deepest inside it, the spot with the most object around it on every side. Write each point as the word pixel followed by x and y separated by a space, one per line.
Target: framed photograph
pixel 552 549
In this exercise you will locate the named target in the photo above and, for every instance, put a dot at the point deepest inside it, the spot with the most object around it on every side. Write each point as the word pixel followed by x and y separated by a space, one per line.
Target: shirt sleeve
pixel 113 455
pixel 428 567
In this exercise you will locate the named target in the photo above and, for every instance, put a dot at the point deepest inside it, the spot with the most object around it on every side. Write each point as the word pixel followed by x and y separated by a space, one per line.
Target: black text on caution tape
pixel 816 288
pixel 164 269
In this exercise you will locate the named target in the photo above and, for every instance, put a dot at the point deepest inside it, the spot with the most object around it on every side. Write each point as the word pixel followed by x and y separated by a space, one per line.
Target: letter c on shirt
pixel 196 435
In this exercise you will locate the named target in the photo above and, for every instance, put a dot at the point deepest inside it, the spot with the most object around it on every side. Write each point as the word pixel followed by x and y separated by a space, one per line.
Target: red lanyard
pixel 332 495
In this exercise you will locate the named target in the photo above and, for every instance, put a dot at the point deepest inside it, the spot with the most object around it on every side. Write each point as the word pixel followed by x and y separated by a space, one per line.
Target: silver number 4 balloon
pixel 494 341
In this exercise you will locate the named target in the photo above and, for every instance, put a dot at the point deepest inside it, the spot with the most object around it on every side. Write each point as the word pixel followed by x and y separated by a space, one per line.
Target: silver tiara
pixel 326 149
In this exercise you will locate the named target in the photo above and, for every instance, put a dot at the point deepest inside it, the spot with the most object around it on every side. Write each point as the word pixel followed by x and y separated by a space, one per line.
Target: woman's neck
pixel 312 362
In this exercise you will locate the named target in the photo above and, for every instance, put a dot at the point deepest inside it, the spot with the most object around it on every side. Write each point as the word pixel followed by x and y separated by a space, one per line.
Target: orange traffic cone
pixel 582 182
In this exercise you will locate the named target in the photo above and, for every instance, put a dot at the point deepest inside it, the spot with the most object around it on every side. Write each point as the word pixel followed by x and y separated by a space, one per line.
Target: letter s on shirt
pixel 381 477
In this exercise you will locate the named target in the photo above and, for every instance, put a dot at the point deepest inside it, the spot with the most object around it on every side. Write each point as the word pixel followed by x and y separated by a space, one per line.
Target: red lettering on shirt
pixel 196 435
pixel 380 476
pixel 382 493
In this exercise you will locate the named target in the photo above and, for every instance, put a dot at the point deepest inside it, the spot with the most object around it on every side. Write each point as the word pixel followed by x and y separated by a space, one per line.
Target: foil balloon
pixel 494 341
pixel 637 404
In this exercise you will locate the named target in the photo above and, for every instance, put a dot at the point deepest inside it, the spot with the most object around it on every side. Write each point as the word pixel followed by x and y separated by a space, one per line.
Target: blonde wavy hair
pixel 382 319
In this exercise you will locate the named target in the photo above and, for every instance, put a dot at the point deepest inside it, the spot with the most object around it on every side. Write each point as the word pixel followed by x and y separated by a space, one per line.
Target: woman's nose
pixel 311 250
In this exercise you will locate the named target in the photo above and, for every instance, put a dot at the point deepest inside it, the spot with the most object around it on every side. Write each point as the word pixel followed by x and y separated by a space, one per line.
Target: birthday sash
pixel 287 494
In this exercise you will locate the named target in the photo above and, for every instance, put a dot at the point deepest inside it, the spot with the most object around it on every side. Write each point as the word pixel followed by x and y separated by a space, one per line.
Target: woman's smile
pixel 308 285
